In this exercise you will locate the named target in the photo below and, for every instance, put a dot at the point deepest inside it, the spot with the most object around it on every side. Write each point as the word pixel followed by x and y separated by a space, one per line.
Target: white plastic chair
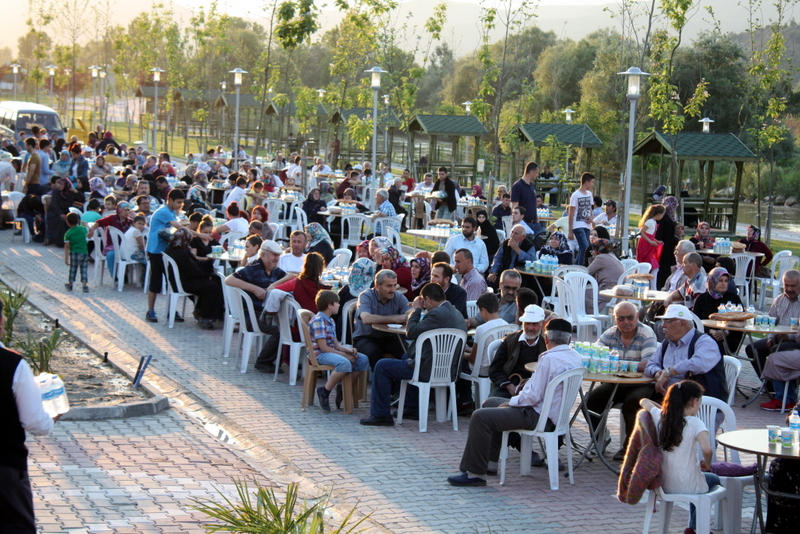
pixel 341 258
pixel 387 222
pixel 394 236
pixel 569 382
pixel 274 207
pixel 76 211
pixel 583 318
pixel 501 236
pixel 643 268
pixel 623 279
pixel 745 263
pixel 702 501
pixel 241 304
pixel 483 351
pixel 347 311
pixel 781 262
pixel 16 197
pixel 121 260
pixel 351 230
pixel 174 293
pixel 472 308
pixel 99 240
pixel 698 323
pixel 733 368
pixel 301 219
pixel 287 315
pixel 560 271
pixel 507 224
pixel 447 344
pixel 230 321
pixel 628 263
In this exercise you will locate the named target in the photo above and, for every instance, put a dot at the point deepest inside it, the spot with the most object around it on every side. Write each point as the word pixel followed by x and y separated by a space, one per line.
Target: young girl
pixel 679 433
pixel 133 242
pixel 252 246
pixel 649 248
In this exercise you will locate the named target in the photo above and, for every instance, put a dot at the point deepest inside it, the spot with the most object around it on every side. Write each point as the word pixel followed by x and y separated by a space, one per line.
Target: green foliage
pixel 359 130
pixel 13 300
pixel 263 513
pixel 40 352
pixel 297 22
pixel 305 102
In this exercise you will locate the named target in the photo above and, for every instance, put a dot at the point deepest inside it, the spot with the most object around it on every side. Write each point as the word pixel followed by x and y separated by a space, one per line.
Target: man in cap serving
pixel 521 412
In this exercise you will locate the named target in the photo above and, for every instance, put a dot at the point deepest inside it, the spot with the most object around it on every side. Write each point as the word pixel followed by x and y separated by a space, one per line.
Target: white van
pixel 16 116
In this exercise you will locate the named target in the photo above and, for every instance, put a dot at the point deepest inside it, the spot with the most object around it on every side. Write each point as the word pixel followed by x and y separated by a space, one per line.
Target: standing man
pixel 447 205
pixel 165 217
pixel 471 280
pixel 470 241
pixel 580 215
pixel 523 193
pixel 34 169
pixel 21 409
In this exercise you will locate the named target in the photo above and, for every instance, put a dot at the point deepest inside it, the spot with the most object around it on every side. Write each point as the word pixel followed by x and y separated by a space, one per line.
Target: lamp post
pixel 634 75
pixel 95 70
pixel 376 86
pixel 706 122
pixel 15 69
pixel 237 81
pixel 52 72
pixel 103 96
pixel 68 74
pixel 568 113
pixel 468 109
pixel 156 78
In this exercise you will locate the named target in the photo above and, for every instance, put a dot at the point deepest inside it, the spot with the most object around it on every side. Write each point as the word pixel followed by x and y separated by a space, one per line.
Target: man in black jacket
pixel 442 274
pixel 517 350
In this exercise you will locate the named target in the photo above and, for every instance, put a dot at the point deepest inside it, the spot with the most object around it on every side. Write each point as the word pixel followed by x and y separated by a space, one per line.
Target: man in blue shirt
pixel 162 219
pixel 468 240
pixel 523 193
pixel 385 209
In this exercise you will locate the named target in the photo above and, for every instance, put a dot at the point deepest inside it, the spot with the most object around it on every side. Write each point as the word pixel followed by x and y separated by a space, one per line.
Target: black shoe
pixel 619 455
pixel 536 460
pixel 178 318
pixel 372 420
pixel 466 409
pixel 265 368
pixel 463 479
pixel 68 286
pixel 322 395
pixel 339 396
pixel 412 415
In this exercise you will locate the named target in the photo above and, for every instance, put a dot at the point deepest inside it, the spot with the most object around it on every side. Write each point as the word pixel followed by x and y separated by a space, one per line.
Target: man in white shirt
pixel 521 412
pixel 426 185
pixel 237 193
pixel 385 175
pixel 320 166
pixel 292 260
pixel 518 218
pixel 580 215
pixel 470 241
pixel 8 173
pixel 471 280
pixel 609 216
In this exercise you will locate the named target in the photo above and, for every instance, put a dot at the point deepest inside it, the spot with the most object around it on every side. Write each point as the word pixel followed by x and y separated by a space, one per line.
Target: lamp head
pixel 156 74
pixel 706 122
pixel 15 68
pixel 635 75
pixel 568 112
pixel 95 70
pixel 376 76
pixel 237 76
pixel 52 70
pixel 467 106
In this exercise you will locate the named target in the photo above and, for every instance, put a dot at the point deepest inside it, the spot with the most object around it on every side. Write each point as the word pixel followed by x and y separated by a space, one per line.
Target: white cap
pixel 271 246
pixel 677 311
pixel 533 314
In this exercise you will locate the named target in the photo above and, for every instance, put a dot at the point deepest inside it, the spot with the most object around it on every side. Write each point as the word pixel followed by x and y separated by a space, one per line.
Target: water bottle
pixel 46 388
pixel 60 401
pixel 729 306
pixel 794 423
pixel 751 309
pixel 721 309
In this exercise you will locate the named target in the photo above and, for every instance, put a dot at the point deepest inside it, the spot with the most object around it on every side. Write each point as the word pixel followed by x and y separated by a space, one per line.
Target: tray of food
pixel 636 276
pixel 628 374
pixel 728 317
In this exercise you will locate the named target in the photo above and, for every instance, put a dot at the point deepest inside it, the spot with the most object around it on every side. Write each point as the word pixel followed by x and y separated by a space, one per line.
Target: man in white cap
pixel 687 354
pixel 517 349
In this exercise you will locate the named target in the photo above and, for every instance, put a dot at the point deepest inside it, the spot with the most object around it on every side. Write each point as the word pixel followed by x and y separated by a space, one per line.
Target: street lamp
pixel 321 93
pixel 68 74
pixel 15 69
pixel 376 86
pixel 52 71
pixel 467 106
pixel 706 122
pixel 568 112
pixel 386 100
pixel 95 70
pixel 634 75
pixel 237 81
pixel 156 78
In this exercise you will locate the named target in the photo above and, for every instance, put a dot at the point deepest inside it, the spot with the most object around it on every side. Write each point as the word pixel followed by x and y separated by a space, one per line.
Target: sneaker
pixel 85 289
pixel 151 317
pixel 68 287
pixel 775 405
pixel 536 460
pixel 178 318
pixel 324 401
pixel 206 324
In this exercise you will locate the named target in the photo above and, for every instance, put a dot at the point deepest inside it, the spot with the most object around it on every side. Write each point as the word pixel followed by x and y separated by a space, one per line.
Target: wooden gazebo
pixel 454 126
pixel 706 149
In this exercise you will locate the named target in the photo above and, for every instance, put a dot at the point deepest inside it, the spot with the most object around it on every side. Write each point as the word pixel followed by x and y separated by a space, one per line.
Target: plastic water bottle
pixel 60 401
pixel 729 306
pixel 751 309
pixel 46 388
pixel 794 423
pixel 721 309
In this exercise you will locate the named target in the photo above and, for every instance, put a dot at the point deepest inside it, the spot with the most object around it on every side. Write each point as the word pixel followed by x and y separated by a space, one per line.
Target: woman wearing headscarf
pixel 488 231
pixel 392 259
pixel 209 305
pixel 665 232
pixel 196 198
pixel 99 189
pixel 362 250
pixel 753 243
pixel 313 205
pixel 319 241
pixel 376 245
pixel 605 268
pixel 703 240
pixel 558 246
pixel 718 292
pixel 362 273
pixel 121 220
pixel 62 166
pixel 477 192
pixel 63 197
pixel 100 168
pixel 420 274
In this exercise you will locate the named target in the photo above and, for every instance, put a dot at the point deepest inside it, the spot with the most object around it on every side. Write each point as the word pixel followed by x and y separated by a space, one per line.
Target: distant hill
pixel 792 35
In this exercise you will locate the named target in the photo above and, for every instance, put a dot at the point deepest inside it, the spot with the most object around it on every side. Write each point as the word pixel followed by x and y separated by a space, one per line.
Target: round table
pixel 403 330
pixel 652 296
pixel 756 441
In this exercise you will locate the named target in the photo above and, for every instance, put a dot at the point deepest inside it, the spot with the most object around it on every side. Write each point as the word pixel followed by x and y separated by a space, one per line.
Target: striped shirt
pixel 642 346
pixel 474 284
pixel 783 309
pixel 387 209
pixel 322 327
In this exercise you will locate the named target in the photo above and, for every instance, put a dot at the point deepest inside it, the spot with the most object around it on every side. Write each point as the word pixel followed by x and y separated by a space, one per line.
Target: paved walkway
pixel 153 465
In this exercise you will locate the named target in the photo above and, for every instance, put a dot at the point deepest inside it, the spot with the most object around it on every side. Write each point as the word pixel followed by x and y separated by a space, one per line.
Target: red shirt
pixel 304 292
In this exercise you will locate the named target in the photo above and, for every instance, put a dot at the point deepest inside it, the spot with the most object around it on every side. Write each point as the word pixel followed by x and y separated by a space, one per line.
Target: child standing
pixel 580 215
pixel 76 253
pixel 679 433
pixel 133 242
pixel 648 250
pixel 330 352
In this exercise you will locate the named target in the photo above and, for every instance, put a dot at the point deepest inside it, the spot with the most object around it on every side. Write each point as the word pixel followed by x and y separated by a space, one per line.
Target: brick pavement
pixel 396 474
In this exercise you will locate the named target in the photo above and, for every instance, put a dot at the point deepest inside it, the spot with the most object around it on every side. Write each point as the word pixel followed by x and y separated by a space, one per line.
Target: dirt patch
pixel 89 381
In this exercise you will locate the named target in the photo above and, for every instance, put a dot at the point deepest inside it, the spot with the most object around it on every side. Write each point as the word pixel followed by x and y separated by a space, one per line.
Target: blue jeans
pixel 582 237
pixel 110 257
pixel 712 480
pixel 791 396
pixel 342 364
pixel 386 372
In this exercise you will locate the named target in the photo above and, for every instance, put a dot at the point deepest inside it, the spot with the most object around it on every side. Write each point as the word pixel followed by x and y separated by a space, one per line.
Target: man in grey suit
pixel 440 314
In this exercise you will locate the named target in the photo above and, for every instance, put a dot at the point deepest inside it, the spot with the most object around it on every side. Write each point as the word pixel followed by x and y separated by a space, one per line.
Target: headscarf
pixel 317 234
pixel 180 239
pixel 350 191
pixel 310 197
pixel 712 279
pixel 670 203
pixel 477 191
pixel 756 234
pixel 563 246
pixel 424 273
pixel 382 242
pixel 124 224
pixel 364 245
pixel 398 260
pixel 99 185
pixel 602 246
pixel 361 276
pixel 660 190
pixel 602 232
pixel 489 232
pixel 708 240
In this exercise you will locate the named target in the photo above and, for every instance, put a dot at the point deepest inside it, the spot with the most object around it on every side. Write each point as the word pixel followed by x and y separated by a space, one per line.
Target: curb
pixel 120 411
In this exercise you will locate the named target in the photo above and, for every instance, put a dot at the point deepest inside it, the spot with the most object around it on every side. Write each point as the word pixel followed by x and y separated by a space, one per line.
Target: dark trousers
pixel 209 302
pixel 761 352
pixel 629 396
pixel 374 348
pixel 16 502
pixel 269 354
pixel 156 272
pixel 486 432
pixel 388 374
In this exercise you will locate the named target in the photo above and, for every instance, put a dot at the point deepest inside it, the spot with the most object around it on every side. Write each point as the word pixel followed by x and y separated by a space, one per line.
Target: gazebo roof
pixel 696 146
pixel 576 135
pixel 387 117
pixel 229 99
pixel 196 95
pixel 457 125
pixel 290 108
pixel 148 91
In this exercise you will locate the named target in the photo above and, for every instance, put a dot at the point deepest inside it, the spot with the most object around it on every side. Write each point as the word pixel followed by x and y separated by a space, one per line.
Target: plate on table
pixel 395 326
pixel 629 375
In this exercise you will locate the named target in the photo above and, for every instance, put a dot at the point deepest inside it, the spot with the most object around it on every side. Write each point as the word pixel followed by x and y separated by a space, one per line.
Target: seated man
pixel 292 259
pixel 502 210
pixel 488 306
pixel 518 217
pixel 636 342
pixel 442 274
pixel 783 308
pixel 687 354
pixel 513 252
pixel 381 304
pixel 695 282
pixel 472 282
pixel 522 412
pixel 384 209
pixel 783 369
pixel 507 369
pixel 510 283
pixel 440 314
